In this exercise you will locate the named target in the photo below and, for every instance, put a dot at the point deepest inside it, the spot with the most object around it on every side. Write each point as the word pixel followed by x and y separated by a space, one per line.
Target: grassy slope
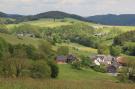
pixel 47 22
pixel 25 40
pixel 79 49
pixel 67 73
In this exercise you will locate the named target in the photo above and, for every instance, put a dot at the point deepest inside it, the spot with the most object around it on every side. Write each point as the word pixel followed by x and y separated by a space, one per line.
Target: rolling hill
pixel 14 16
pixel 58 15
pixel 49 14
pixel 110 19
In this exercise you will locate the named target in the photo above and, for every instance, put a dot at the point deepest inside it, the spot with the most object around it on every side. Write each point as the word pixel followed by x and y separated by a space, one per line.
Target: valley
pixel 41 40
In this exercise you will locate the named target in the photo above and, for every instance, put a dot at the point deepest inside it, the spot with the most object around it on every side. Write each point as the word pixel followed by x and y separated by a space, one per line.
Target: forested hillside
pixel 110 19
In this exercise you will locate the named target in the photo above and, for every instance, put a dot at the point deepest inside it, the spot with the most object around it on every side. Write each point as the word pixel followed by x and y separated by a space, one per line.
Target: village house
pixel 111 63
pixel 25 34
pixel 65 59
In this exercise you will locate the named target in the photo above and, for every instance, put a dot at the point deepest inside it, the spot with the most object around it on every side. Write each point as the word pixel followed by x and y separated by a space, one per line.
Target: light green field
pixel 79 49
pixel 25 40
pixel 68 73
pixel 43 23
pixel 49 22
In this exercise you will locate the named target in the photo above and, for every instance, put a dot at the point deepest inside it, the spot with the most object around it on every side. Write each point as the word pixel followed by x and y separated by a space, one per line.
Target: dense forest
pixel 111 19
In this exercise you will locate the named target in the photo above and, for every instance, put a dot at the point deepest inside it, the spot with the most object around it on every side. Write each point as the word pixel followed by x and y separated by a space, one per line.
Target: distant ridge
pixel 111 19
pixel 15 16
pixel 49 14
pixel 58 15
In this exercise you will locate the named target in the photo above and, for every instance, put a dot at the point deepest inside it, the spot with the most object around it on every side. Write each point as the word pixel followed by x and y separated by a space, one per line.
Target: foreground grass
pixel 61 84
pixel 68 79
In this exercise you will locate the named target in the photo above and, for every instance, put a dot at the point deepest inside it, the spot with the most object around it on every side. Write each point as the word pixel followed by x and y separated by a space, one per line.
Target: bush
pixel 54 69
pixel 115 51
pixel 86 62
pixel 103 49
pixel 40 69
pixel 3 29
pixel 122 77
pixel 129 48
pixel 76 65
pixel 101 69
pixel 3 48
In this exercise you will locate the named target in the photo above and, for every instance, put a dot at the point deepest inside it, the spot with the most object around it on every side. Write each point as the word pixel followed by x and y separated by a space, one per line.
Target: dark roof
pixel 61 58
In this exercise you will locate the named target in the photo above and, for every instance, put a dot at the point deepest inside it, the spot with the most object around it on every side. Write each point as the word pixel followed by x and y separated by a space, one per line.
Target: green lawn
pixel 68 73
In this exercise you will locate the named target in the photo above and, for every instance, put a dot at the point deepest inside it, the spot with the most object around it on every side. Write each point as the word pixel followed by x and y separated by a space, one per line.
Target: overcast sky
pixel 80 7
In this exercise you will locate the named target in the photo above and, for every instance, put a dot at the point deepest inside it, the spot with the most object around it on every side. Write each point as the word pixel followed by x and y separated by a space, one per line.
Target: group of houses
pixel 111 63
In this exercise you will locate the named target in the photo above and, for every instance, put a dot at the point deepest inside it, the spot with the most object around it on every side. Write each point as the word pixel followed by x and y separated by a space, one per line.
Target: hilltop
pixel 49 14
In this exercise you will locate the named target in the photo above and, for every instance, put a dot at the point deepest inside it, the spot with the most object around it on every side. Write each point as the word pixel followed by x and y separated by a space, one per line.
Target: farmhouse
pixel 65 59
pixel 61 59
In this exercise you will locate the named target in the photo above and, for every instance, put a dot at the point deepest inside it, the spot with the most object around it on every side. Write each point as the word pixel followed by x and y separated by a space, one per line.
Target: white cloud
pixel 81 7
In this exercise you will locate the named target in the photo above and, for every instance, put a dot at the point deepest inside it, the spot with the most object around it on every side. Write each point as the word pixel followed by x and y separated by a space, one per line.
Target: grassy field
pixel 79 49
pixel 43 23
pixel 51 23
pixel 61 84
pixel 68 73
pixel 68 79
pixel 25 40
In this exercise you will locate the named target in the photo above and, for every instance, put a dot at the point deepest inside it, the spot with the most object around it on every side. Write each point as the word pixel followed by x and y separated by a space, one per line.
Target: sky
pixel 80 7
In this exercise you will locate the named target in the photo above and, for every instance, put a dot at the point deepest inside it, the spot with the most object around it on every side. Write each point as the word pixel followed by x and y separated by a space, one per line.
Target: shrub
pixel 76 65
pixel 103 49
pixel 86 62
pixel 40 69
pixel 3 29
pixel 115 51
pixel 101 68
pixel 122 77
pixel 129 48
pixel 3 48
pixel 54 69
